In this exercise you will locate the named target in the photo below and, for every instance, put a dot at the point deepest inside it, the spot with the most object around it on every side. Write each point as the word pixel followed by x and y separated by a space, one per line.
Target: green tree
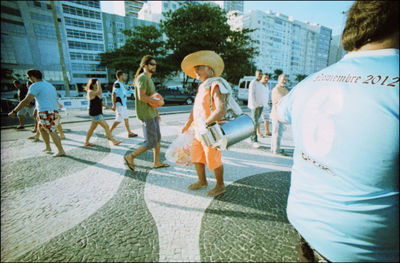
pixel 300 77
pixel 142 40
pixel 194 27
pixel 277 72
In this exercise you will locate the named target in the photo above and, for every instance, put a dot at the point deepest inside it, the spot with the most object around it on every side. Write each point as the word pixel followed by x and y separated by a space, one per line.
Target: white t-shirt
pixel 45 95
pixel 120 92
pixel 257 94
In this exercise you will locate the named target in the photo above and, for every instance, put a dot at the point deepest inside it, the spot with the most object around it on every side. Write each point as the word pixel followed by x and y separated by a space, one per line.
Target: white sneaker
pixel 256 145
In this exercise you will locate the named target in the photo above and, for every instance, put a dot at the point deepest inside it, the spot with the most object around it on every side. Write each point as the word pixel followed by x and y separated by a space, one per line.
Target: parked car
pixel 176 96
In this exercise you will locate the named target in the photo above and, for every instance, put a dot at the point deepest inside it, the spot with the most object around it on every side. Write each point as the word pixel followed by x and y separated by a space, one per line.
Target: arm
pixel 106 106
pixel 114 101
pixel 21 105
pixel 188 123
pixel 220 110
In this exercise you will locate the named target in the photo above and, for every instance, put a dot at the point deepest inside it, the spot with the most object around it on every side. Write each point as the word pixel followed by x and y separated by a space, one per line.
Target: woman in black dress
pixel 93 89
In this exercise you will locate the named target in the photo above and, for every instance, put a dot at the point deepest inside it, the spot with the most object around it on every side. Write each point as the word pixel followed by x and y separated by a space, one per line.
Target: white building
pixel 83 25
pixel 336 51
pixel 132 7
pixel 284 43
pixel 231 5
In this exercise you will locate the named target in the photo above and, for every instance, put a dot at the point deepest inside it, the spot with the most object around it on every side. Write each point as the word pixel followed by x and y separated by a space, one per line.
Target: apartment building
pixel 284 43
pixel 133 7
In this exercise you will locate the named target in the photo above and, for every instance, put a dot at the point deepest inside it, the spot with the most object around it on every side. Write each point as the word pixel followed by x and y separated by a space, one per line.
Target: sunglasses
pixel 153 64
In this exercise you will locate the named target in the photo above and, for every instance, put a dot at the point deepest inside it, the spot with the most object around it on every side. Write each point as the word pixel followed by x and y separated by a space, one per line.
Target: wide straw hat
pixel 202 57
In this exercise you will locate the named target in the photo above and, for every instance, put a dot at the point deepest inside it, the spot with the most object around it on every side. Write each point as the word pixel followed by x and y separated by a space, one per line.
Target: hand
pixel 160 102
pixel 12 114
pixel 185 129
pixel 113 108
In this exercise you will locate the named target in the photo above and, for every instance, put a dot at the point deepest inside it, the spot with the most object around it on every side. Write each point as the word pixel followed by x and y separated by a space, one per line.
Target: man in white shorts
pixel 119 101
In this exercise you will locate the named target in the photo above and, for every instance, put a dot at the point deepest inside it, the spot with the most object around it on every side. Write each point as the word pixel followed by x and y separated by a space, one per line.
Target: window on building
pixel 83 24
pixel 7 51
pixel 85 46
pixel 10 11
pixel 84 56
pixel 42 18
pixel 37 4
pixel 95 4
pixel 12 26
pixel 84 35
pixel 87 67
pixel 80 12
pixel 110 46
pixel 44 31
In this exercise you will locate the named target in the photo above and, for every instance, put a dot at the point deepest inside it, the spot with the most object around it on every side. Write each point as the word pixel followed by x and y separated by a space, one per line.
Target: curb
pixel 106 118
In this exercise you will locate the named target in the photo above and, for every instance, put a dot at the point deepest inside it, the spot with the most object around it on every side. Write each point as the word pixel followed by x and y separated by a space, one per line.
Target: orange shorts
pixel 205 155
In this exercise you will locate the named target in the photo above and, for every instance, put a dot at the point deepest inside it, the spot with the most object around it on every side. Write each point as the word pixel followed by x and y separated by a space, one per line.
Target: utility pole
pixel 60 49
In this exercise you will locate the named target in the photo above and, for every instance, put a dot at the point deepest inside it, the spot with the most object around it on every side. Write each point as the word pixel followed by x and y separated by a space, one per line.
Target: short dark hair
pixel 119 73
pixel 259 70
pixel 34 73
pixel 266 74
pixel 15 82
pixel 370 21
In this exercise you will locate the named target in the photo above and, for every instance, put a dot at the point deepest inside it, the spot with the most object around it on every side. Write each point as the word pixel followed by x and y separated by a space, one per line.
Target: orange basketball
pixel 155 96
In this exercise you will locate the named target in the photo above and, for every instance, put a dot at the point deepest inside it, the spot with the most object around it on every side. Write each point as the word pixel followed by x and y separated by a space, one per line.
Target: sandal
pixel 130 165
pixel 88 144
pixel 162 165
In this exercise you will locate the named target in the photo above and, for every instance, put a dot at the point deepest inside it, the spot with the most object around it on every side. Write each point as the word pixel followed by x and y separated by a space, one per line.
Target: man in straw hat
pixel 206 66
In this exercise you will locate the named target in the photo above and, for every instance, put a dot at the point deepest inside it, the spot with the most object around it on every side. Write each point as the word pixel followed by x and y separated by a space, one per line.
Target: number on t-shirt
pixel 318 126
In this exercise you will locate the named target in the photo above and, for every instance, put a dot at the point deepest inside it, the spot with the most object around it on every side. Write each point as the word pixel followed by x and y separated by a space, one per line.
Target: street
pixel 89 207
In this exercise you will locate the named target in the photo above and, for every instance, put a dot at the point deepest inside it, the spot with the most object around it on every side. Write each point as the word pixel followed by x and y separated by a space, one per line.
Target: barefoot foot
pixel 217 190
pixel 198 185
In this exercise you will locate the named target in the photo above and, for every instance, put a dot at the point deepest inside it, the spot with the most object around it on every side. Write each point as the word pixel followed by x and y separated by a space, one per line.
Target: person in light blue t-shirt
pixel 46 98
pixel 344 192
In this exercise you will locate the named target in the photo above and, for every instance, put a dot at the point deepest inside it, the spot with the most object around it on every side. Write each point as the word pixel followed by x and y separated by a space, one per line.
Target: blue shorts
pixel 97 117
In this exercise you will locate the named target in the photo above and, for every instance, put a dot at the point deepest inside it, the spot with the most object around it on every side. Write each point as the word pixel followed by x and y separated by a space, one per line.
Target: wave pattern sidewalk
pixel 94 209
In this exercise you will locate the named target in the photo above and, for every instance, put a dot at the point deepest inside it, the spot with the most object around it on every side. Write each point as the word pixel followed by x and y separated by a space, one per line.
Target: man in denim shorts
pixel 46 98
pixel 147 113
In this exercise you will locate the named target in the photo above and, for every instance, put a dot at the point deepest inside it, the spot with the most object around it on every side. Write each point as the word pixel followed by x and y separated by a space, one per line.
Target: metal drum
pixel 237 130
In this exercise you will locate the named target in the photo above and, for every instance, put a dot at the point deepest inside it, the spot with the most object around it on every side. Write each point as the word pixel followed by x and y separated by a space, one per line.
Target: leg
pixel 21 119
pixel 280 133
pixel 201 174
pixel 57 141
pixel 46 139
pixel 104 125
pixel 129 159
pixel 60 130
pixel 89 134
pixel 267 132
pixel 258 131
pixel 219 187
pixel 115 124
pixel 128 129
pixel 156 134
pixel 254 136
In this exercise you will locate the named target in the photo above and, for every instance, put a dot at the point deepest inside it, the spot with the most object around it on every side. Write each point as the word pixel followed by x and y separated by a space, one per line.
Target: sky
pixel 326 13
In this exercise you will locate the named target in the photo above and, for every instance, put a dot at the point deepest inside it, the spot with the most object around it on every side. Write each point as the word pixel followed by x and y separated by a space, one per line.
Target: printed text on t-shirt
pixel 369 80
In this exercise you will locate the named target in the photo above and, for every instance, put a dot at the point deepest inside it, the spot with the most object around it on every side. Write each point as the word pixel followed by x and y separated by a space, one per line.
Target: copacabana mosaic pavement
pixel 88 207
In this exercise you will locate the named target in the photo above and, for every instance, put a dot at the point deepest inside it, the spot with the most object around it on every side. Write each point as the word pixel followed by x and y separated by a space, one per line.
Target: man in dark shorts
pixel 146 113
pixel 46 98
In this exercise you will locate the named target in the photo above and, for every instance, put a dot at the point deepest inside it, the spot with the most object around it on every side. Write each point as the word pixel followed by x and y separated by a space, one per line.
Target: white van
pixel 243 91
